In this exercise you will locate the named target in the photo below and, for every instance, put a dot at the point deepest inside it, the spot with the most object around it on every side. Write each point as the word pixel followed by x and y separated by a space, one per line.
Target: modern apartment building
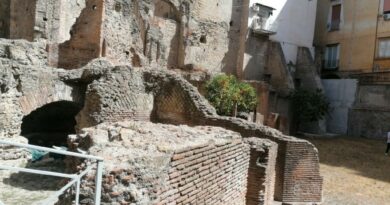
pixel 353 36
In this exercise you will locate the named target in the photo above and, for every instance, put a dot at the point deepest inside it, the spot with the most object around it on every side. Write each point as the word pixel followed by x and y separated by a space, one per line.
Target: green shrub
pixel 309 106
pixel 228 95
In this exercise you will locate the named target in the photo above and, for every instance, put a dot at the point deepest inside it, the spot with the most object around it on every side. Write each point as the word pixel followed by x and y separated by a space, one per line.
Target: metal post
pixel 98 182
pixel 78 191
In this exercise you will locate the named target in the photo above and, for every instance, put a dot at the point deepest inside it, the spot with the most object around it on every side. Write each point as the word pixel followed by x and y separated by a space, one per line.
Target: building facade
pixel 353 41
pixel 279 51
pixel 353 36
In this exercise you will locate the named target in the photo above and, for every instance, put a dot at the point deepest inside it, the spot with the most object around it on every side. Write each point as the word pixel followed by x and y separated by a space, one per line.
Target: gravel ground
pixel 355 171
pixel 25 189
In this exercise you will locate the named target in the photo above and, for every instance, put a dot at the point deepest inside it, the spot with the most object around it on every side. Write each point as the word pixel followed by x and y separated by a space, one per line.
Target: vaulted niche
pixel 51 124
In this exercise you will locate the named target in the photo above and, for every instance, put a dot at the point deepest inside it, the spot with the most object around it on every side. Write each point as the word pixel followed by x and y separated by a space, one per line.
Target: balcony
pixel 334 25
pixel 330 65
pixel 258 27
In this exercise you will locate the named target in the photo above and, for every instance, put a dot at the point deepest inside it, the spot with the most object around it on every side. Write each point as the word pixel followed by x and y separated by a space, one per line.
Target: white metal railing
pixel 75 178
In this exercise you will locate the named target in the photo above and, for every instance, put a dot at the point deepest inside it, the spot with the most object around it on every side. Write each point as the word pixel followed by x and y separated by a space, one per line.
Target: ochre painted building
pixel 353 36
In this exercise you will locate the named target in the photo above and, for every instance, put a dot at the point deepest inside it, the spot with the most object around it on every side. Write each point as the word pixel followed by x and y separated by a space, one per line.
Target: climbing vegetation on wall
pixel 230 96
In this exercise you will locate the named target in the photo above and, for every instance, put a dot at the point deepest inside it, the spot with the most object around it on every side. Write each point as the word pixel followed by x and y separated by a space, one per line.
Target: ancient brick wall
pixel 195 110
pixel 209 174
pixel 261 173
pixel 301 181
pixel 163 164
pixel 117 94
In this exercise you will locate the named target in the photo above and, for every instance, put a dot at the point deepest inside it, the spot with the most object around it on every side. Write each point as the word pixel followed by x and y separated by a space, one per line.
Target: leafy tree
pixel 309 106
pixel 228 95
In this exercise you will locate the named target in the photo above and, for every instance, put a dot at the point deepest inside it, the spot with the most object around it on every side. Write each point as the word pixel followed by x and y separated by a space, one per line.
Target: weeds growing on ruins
pixel 161 102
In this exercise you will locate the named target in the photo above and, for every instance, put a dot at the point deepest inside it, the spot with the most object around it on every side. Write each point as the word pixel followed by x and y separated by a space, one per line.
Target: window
pixel 384 48
pixel 332 56
pixel 335 17
pixel 386 6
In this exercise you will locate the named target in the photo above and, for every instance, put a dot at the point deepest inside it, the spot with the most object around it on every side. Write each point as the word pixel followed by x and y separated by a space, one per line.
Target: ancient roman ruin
pixel 112 77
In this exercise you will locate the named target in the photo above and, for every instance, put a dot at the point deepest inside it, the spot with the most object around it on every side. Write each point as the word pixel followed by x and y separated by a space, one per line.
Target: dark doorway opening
pixel 51 124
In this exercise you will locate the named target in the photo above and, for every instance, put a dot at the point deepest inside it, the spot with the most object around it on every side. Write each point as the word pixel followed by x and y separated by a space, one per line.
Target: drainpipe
pixel 376 35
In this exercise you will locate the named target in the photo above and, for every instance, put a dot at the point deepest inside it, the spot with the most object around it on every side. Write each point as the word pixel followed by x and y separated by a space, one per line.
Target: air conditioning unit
pixel 386 17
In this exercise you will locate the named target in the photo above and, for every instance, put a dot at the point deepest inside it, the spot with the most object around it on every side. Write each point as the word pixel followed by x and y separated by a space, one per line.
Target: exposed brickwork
pixel 301 181
pixel 148 163
pixel 307 187
pixel 208 174
pixel 261 174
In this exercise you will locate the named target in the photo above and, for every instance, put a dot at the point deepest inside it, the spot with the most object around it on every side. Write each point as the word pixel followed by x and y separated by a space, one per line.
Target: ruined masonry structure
pixel 99 75
pixel 180 165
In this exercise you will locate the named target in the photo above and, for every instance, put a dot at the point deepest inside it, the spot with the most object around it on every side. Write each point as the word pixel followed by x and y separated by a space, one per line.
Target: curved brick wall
pixel 297 169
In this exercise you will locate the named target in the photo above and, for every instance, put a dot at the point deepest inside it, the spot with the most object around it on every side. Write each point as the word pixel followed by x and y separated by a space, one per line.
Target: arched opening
pixel 51 124
pixel 167 10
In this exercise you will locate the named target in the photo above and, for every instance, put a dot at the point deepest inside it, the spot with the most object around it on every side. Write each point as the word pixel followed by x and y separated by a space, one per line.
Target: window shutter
pixel 386 6
pixel 336 12
pixel 384 48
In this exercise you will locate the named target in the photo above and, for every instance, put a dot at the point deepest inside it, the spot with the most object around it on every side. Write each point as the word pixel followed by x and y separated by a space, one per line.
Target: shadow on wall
pixel 5 8
pixel 230 61
pixel 85 42
pixel 22 19
pixel 170 19
pixel 256 49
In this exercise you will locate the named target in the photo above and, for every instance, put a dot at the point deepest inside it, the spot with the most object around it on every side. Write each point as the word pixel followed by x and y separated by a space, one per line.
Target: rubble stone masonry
pixel 112 60
pixel 177 165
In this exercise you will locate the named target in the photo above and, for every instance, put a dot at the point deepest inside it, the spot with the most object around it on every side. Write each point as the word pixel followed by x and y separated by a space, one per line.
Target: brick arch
pixel 43 95
pixel 51 123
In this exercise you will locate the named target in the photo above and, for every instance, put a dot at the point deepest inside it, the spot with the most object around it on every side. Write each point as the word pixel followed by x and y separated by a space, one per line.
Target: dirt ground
pixel 355 171
pixel 28 189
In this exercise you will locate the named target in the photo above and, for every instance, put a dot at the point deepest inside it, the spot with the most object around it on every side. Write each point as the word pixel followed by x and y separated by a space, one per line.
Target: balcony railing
pixel 75 179
pixel 335 25
pixel 331 64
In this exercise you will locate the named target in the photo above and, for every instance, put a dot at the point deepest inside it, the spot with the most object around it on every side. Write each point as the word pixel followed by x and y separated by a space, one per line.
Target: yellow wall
pixel 357 34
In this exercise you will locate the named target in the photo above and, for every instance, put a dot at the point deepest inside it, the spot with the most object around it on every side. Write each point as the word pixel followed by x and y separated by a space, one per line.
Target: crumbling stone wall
pixel 306 183
pixel 132 33
pixel 169 33
pixel 148 163
pixel 85 42
pixel 117 95
pixel 46 21
pixel 27 83
pixel 40 19
pixel 123 31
